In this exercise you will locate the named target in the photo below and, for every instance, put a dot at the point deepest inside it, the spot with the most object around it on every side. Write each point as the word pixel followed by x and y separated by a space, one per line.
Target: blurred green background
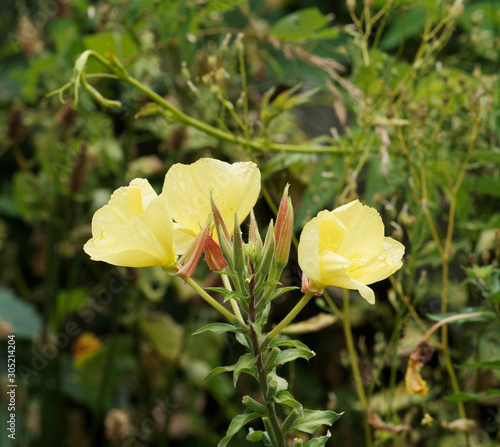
pixel 104 355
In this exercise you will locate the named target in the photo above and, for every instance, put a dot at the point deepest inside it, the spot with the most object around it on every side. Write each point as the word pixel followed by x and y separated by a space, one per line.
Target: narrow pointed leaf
pixel 283 397
pixel 466 397
pixel 245 364
pixel 491 364
pixel 219 370
pixel 312 419
pixel 236 425
pixel 289 355
pixel 319 442
pixel 218 328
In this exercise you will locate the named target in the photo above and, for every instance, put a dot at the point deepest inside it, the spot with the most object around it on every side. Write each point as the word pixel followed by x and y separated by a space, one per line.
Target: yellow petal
pixel 365 232
pixel 308 250
pixel 332 232
pixel 135 229
pixel 125 203
pixel 183 237
pixel 235 189
pixel 382 266
pixel 335 272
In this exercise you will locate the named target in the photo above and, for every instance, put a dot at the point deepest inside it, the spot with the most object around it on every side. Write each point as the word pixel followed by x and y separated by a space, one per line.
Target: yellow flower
pixel 187 188
pixel 86 346
pixel 346 247
pixel 134 229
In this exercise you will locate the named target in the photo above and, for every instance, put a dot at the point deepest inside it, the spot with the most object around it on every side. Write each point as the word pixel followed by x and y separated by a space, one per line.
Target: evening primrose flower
pixel 346 247
pixel 187 189
pixel 134 229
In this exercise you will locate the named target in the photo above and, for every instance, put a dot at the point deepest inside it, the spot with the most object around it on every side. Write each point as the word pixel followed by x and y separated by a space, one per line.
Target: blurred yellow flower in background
pixel 346 247
pixel 413 380
pixel 134 229
pixel 85 346
pixel 187 188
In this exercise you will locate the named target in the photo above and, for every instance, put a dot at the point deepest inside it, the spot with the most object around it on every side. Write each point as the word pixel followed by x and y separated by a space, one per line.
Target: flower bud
pixel 309 286
pixel 272 358
pixel 255 239
pixel 239 261
pixel 253 405
pixel 284 229
pixel 213 255
pixel 268 253
pixel 290 421
pixel 222 232
pixel 191 256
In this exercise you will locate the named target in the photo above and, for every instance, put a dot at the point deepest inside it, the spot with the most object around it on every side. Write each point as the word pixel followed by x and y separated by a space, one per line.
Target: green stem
pixel 259 144
pixel 293 313
pixel 198 289
pixel 274 427
pixel 355 369
pixel 233 303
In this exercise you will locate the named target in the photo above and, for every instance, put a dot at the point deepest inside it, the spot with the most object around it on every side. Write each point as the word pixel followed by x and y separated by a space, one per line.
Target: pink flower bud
pixel 283 231
pixel 309 286
pixel 190 258
pixel 213 255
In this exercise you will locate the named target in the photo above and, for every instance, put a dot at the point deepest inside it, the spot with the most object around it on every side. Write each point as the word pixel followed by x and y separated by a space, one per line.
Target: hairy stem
pixel 262 373
pixel 355 369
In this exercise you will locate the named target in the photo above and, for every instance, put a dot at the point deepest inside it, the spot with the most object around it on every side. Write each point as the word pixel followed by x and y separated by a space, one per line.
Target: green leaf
pixel 286 342
pixel 282 384
pixel 466 397
pixel 283 397
pixel 218 328
pixel 490 364
pixel 304 24
pixel 289 355
pixel 403 26
pixel 67 301
pixel 280 291
pixel 122 45
pixel 312 419
pixel 321 189
pixel 219 370
pixel 319 442
pixel 254 436
pixel 222 290
pixel 236 424
pixel 221 6
pixel 484 184
pixel 20 316
pixel 165 334
pixel 245 364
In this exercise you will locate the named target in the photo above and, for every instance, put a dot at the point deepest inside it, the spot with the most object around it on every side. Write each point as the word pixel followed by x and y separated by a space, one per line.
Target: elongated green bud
pixel 268 251
pixel 272 358
pixel 239 261
pixel 298 442
pixel 255 239
pixel 284 229
pixel 273 386
pixel 270 430
pixel 290 421
pixel 254 405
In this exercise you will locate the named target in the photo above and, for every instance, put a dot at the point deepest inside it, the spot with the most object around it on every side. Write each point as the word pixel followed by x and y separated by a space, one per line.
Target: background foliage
pixel 395 103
